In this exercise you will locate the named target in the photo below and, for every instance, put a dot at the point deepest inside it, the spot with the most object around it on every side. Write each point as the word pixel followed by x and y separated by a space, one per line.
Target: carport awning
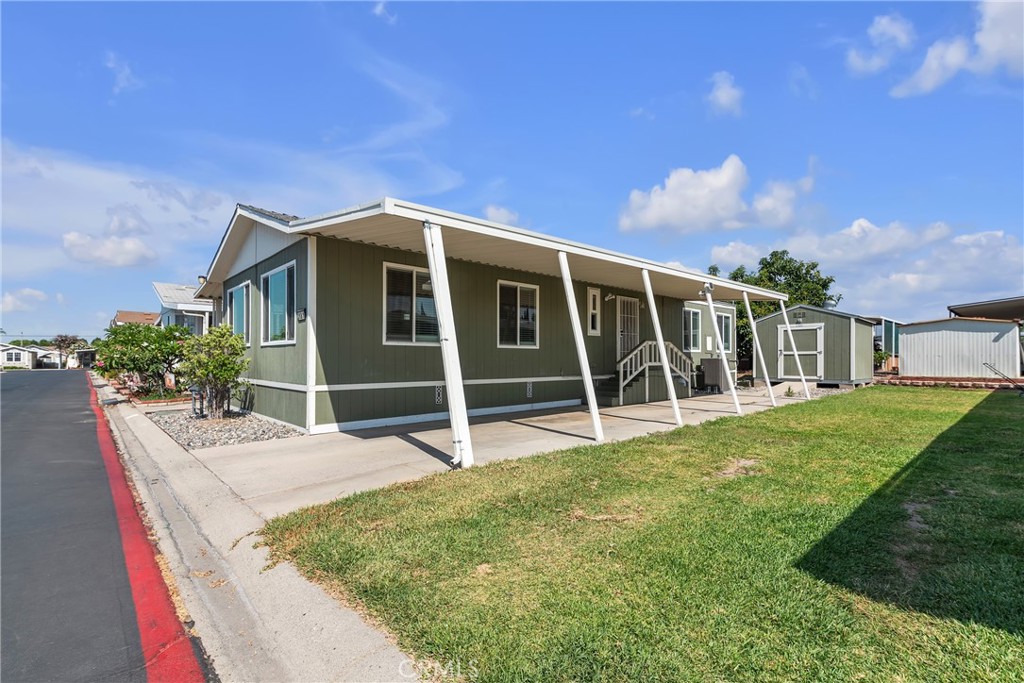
pixel 398 224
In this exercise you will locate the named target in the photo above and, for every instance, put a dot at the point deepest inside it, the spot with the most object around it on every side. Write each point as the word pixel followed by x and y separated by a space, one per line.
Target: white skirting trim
pixel 430 417
pixel 440 382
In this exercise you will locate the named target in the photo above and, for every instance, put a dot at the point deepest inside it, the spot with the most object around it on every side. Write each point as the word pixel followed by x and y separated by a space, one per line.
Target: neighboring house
pixel 887 339
pixel 960 347
pixel 179 306
pixel 46 357
pixel 136 317
pixel 17 356
pixel 995 309
pixel 393 312
pixel 832 347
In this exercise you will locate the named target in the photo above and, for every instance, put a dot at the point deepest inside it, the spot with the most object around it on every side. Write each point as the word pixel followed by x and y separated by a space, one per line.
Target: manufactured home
pixel 17 356
pixel 393 313
pixel 832 347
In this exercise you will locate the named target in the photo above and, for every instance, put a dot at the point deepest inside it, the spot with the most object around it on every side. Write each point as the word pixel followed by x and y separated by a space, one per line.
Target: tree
pixel 65 343
pixel 801 280
pixel 95 341
pixel 214 362
pixel 141 351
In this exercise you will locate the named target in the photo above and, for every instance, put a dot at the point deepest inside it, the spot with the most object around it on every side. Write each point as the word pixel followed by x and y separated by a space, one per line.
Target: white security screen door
pixel 810 351
pixel 628 325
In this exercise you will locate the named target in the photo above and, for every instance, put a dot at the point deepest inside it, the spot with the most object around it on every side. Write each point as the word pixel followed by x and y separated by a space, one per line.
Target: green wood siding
pixel 865 351
pixel 285 363
pixel 350 310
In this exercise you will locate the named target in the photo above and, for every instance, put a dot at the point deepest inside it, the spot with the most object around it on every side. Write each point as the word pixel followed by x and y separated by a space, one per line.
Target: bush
pixel 214 362
pixel 881 357
pixel 141 354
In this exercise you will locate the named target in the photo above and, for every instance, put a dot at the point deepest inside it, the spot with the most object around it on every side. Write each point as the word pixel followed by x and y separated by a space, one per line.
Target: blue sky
pixel 885 141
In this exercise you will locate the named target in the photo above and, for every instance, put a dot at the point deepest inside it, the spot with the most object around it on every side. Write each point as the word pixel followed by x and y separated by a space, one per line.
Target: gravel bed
pixel 192 432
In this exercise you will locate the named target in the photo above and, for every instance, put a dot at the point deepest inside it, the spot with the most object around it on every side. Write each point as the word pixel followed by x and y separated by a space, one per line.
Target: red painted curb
pixel 166 647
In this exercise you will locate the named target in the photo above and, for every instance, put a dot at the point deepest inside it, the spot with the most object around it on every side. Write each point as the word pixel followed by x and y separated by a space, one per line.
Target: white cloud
pixel 1000 37
pixel 124 78
pixel 944 59
pixel 734 254
pixel 500 214
pixel 898 270
pixel 998 44
pixel 693 201
pixel 23 299
pixel 889 34
pixel 800 82
pixel 126 219
pixel 725 96
pixel 59 298
pixel 110 251
pixel 641 113
pixel 380 10
pixel 891 29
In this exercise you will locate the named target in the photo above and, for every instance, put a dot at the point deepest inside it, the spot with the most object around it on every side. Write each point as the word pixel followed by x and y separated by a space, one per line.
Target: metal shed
pixel 832 347
pixel 960 347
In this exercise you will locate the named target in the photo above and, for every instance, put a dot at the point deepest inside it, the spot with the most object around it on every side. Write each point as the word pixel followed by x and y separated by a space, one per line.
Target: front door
pixel 628 316
pixel 810 351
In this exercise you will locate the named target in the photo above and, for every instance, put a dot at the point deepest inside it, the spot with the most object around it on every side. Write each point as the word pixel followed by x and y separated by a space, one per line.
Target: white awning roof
pixel 399 224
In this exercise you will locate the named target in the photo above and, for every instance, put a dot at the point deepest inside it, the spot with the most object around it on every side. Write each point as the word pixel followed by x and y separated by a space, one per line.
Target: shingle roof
pixel 136 317
pixel 277 215
pixel 170 293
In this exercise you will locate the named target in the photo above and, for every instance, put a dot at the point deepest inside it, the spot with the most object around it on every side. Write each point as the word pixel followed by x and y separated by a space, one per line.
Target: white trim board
pixel 441 382
pixel 438 417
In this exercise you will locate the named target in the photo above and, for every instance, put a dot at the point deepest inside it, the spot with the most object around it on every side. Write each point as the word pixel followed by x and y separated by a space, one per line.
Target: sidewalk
pixel 257 623
pixel 271 624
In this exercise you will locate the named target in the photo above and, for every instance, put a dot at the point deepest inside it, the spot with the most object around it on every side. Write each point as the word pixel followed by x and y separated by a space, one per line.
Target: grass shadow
pixel 944 535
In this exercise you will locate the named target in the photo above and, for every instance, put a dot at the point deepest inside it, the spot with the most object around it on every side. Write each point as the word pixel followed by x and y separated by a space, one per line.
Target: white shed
pixel 960 347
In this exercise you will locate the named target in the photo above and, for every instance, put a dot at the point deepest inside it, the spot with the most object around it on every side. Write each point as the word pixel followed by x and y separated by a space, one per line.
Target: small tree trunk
pixel 217 402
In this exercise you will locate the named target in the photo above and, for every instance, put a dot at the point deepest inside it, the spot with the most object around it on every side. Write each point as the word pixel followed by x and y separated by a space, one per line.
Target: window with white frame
pixel 278 290
pixel 593 311
pixel 691 329
pixel 237 313
pixel 724 321
pixel 410 313
pixel 14 356
pixel 517 315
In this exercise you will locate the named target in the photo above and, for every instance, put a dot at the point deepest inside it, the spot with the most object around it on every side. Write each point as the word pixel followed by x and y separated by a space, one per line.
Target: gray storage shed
pixel 832 347
pixel 960 347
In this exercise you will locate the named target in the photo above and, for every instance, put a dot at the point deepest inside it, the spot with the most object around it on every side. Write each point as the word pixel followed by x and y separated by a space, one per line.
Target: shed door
pixel 628 325
pixel 810 351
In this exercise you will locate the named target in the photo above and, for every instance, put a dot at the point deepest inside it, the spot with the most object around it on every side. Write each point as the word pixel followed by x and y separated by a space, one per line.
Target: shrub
pixel 142 353
pixel 214 362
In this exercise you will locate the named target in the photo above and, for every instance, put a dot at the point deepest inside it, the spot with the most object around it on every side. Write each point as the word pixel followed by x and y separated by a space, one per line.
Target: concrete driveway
pixel 275 477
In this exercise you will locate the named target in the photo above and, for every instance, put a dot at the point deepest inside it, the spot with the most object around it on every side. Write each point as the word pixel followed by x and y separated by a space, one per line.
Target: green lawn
pixel 877 534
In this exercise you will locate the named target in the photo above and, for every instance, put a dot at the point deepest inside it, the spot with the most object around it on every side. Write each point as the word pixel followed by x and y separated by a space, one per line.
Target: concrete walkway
pixel 268 623
pixel 275 477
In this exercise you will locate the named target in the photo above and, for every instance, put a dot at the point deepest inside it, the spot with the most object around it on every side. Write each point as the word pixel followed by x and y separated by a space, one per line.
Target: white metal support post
pixel 792 343
pixel 457 413
pixel 662 351
pixel 721 347
pixel 581 349
pixel 757 348
pixel 312 351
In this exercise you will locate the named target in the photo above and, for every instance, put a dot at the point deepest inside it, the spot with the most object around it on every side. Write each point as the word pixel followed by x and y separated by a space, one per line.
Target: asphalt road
pixel 67 604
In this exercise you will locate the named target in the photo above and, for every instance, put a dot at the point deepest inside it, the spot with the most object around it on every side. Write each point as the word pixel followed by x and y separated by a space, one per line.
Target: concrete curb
pixel 257 624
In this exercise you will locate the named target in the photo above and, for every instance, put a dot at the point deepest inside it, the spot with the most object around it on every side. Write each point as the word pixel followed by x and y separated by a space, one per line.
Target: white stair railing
pixel 646 355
